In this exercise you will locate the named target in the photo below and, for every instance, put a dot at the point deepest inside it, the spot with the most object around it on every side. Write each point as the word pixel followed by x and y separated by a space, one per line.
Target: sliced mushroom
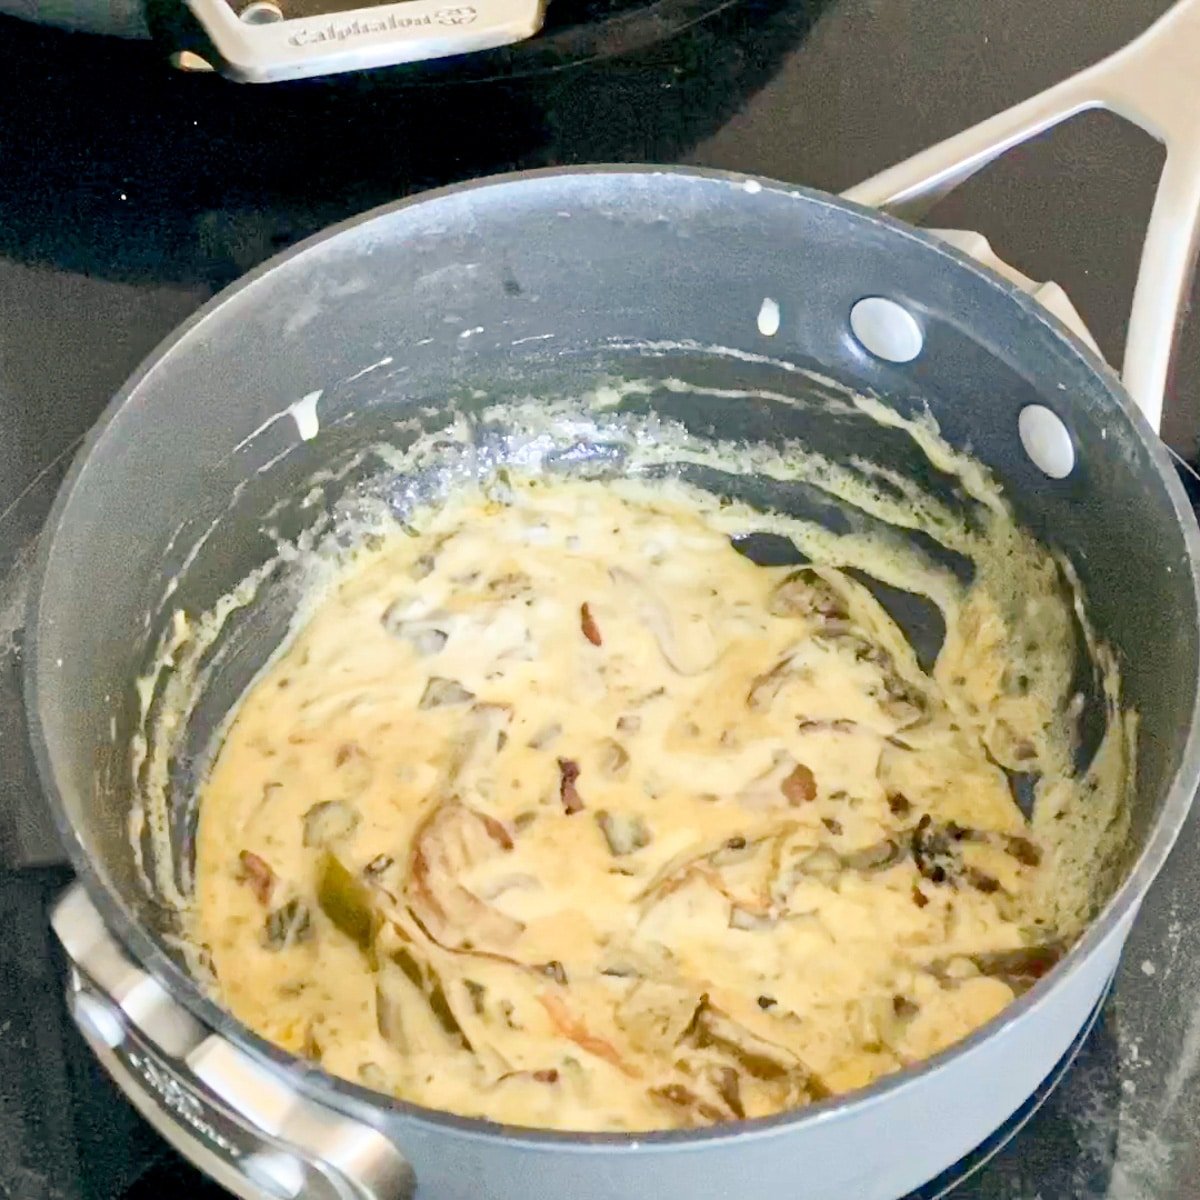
pixel 286 925
pixel 981 881
pixel 687 1106
pixel 440 1007
pixel 751 920
pixel 409 620
pixel 836 725
pixel 396 615
pixel 933 850
pixel 544 736
pixel 624 833
pixel 518 881
pixel 805 593
pixel 354 769
pixel 878 856
pixel 269 789
pixel 733 850
pixel 452 840
pixel 902 700
pixel 328 822
pixel 493 717
pixel 613 759
pixel 1021 968
pixel 799 786
pixel 482 735
pixel 509 586
pixel 428 641
pixel 422 567
pixel 1023 850
pixel 737 868
pixel 476 994
pixel 765 687
pixel 312 1048
pixel 849 641
pixel 568 793
pixel 655 1016
pixel 685 640
pixel 440 692
pixel 728 1085
pixel 621 970
pixel 957 969
pixel 203 966
pixel 257 873
pixel 756 1055
pixel 824 863
pixel 411 1009
pixel 543 1075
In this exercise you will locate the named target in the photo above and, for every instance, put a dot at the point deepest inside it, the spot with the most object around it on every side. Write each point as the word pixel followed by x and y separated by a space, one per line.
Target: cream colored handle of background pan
pixel 1154 82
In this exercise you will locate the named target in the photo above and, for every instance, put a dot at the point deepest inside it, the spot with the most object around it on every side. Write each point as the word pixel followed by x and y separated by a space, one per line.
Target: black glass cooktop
pixel 129 193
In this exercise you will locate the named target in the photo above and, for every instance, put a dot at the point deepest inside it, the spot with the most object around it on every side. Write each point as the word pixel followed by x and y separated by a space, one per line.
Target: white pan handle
pixel 380 36
pixel 1152 82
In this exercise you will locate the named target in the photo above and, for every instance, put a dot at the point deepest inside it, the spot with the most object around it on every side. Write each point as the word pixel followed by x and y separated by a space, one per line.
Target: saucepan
pixel 250 426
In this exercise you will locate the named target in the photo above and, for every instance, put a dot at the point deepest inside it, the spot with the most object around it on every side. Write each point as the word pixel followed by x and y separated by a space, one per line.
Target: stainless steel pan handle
pixel 1152 82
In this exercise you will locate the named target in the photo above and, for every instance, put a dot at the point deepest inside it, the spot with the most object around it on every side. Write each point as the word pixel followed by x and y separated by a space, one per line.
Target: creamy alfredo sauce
pixel 564 813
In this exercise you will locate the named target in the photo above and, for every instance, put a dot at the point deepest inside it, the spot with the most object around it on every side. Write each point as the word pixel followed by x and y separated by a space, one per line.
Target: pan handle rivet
pixel 1046 441
pixel 886 329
